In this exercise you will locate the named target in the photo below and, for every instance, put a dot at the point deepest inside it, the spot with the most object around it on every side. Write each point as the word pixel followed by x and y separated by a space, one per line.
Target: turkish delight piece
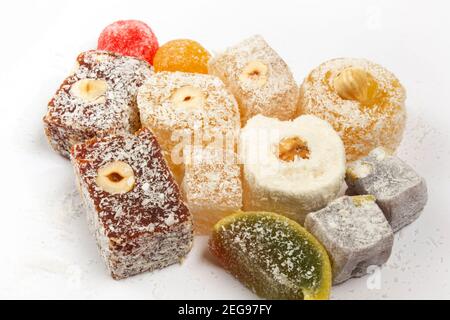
pixel 259 79
pixel 400 192
pixel 134 206
pixel 187 109
pixel 98 98
pixel 355 233
pixel 291 167
pixel 212 187
pixel 363 101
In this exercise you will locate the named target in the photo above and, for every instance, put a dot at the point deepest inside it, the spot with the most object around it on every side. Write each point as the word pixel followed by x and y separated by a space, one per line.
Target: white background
pixel 45 248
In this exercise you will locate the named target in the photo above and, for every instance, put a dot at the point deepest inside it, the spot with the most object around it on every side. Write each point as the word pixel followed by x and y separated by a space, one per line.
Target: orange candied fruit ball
pixel 182 55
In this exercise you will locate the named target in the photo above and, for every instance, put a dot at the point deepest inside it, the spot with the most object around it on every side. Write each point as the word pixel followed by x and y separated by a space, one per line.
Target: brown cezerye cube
pixel 98 98
pixel 134 206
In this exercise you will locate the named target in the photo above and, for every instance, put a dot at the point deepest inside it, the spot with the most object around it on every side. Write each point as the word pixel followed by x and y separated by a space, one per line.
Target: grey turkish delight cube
pixel 400 192
pixel 355 233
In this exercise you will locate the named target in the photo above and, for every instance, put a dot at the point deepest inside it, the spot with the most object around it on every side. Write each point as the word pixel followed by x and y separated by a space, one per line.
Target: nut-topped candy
pixel 259 78
pixel 364 102
pixel 291 167
pixel 400 192
pixel 133 204
pixel 98 98
pixel 185 110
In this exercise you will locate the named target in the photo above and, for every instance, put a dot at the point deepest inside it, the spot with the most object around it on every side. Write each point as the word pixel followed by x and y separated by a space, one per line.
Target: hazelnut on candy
pixel 364 102
pixel 184 109
pixel 133 205
pixel 98 98
pixel 290 148
pixel 89 90
pixel 188 97
pixel 255 73
pixel 291 167
pixel 259 79
pixel 356 84
pixel 116 177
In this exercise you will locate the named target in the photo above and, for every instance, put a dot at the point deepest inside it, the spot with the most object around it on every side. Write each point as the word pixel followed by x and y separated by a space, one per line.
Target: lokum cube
pixel 400 192
pixel 98 98
pixel 134 206
pixel 212 187
pixel 186 110
pixel 259 78
pixel 355 233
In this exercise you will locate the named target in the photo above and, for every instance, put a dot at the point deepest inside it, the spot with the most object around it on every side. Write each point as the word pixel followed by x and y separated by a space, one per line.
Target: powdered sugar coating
pixel 71 119
pixel 276 98
pixel 212 187
pixel 355 233
pixel 362 128
pixel 272 255
pixel 124 224
pixel 400 192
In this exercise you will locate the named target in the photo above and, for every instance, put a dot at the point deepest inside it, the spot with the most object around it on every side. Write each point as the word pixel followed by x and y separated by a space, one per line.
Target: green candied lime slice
pixel 272 255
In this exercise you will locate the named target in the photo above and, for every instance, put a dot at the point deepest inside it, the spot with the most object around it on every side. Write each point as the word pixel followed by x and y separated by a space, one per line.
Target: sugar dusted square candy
pixel 259 78
pixel 133 204
pixel 212 187
pixel 98 98
pixel 355 233
pixel 400 192
pixel 187 109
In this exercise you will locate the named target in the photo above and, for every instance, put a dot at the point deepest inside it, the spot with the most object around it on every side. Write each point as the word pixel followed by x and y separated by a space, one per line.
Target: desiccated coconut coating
pixel 290 186
pixel 273 256
pixel 186 109
pixel 400 192
pixel 362 126
pixel 259 79
pixel 72 119
pixel 212 187
pixel 355 233
pixel 146 228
